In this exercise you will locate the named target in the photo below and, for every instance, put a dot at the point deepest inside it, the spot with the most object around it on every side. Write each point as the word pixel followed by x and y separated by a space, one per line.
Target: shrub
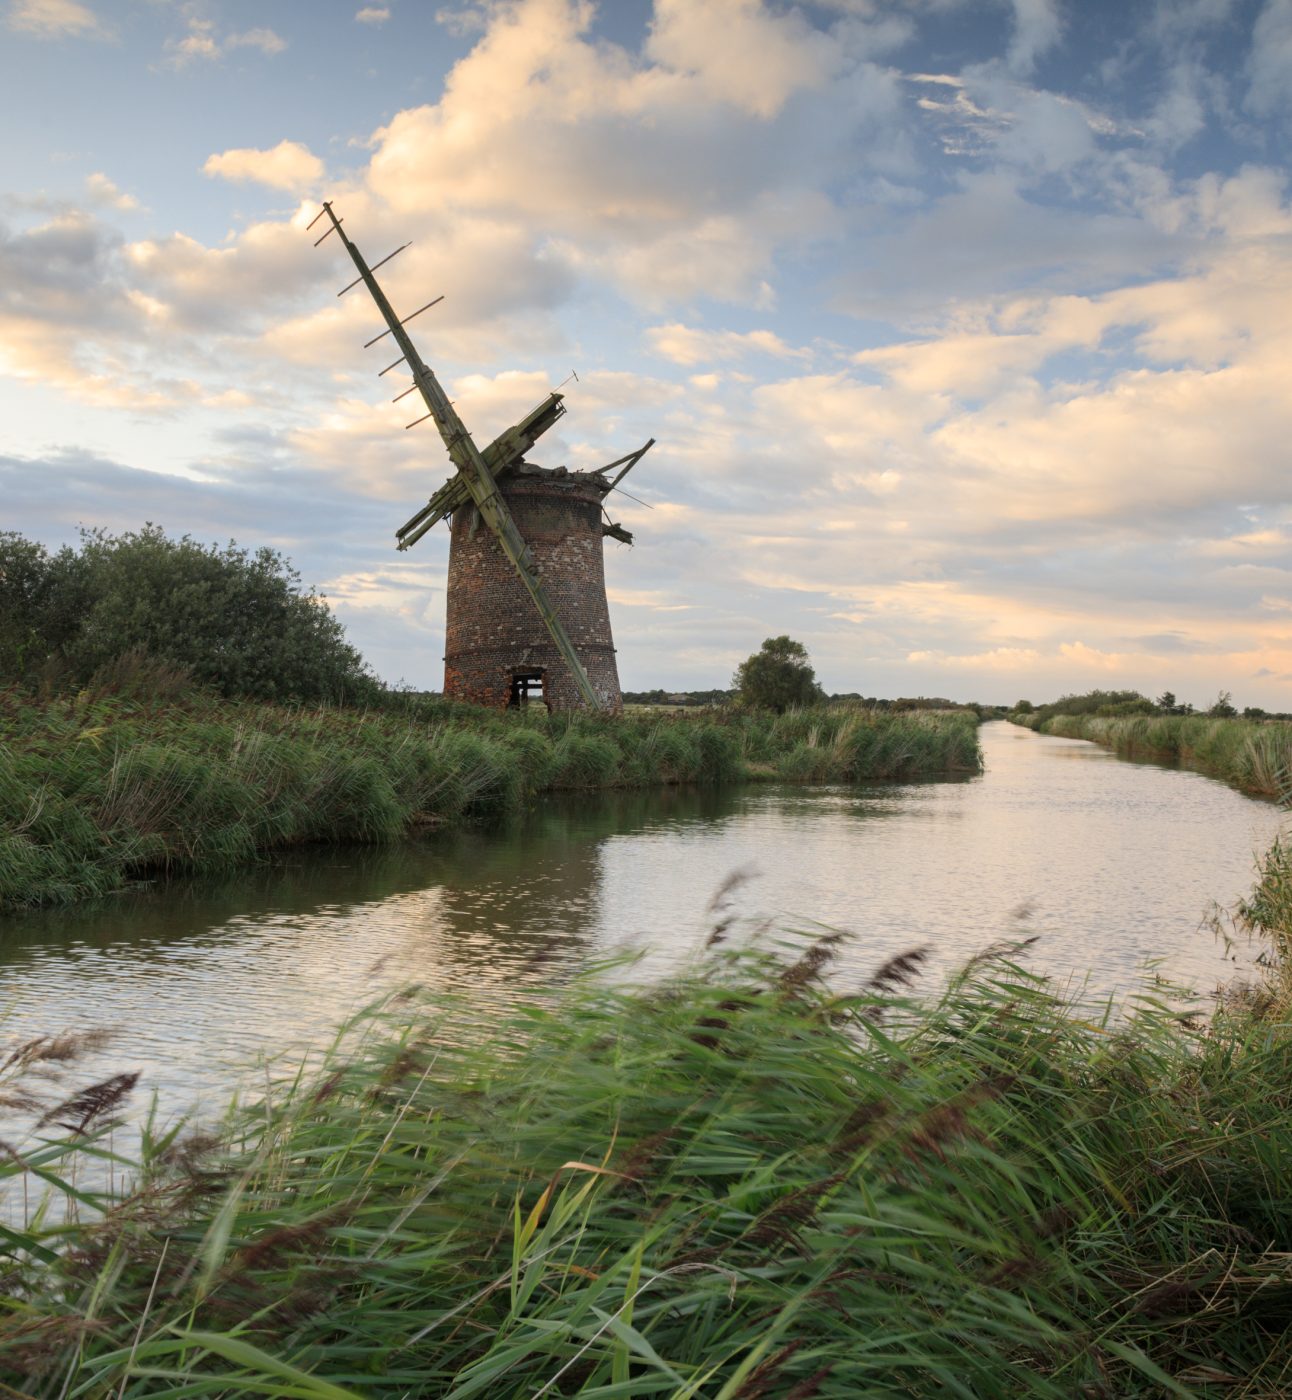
pixel 778 676
pixel 236 620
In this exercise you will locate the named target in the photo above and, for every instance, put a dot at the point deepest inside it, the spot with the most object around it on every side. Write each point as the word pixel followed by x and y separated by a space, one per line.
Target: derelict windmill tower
pixel 527 611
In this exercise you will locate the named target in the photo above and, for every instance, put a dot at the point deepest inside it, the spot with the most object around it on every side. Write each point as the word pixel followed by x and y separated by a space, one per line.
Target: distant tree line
pixel 1115 703
pixel 678 697
pixel 125 607
pixel 779 676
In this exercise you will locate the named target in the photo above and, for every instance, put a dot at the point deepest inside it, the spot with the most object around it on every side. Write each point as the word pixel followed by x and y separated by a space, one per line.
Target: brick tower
pixel 498 650
pixel 527 613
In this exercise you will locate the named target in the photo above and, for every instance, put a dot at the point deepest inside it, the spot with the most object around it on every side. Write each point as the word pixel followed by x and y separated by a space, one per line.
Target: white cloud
pixel 1089 658
pixel 742 52
pixel 54 19
pixel 266 40
pixel 202 42
pixel 997 659
pixel 1180 113
pixel 1037 27
pixel 287 166
pixel 373 14
pixel 669 171
pixel 102 191
pixel 687 345
pixel 199 42
pixel 1269 65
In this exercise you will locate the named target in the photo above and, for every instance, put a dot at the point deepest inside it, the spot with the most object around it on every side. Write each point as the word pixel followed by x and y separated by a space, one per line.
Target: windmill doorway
pixel 527 684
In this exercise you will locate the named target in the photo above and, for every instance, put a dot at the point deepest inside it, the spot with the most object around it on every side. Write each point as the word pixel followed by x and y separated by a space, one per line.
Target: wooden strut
pixel 506 450
pixel 466 457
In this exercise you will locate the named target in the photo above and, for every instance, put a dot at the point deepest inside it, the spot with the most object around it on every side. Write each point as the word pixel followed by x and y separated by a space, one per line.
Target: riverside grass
pixel 1253 755
pixel 98 789
pixel 743 1183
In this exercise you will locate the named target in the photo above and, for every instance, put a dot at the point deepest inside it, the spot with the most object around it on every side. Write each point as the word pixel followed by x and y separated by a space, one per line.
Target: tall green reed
pixel 1254 755
pixel 748 1182
pixel 97 788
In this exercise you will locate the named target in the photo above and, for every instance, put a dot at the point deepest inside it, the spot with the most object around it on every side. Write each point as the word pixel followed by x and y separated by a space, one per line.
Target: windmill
pixel 526 578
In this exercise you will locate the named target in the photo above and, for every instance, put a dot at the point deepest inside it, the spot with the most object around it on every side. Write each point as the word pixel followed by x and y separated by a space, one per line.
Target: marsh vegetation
pixel 1253 755
pixel 749 1181
pixel 117 780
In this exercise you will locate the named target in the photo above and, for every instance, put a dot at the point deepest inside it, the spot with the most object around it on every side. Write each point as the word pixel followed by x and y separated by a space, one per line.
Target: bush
pixel 778 676
pixel 236 620
pixel 1093 702
pixel 1139 706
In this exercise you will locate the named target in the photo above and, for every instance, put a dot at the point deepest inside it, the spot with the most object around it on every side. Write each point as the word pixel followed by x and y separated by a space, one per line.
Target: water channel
pixel 1112 864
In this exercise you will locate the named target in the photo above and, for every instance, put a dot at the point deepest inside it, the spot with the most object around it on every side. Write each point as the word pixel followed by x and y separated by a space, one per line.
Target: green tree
pixel 1223 707
pixel 238 620
pixel 24 569
pixel 1166 702
pixel 777 676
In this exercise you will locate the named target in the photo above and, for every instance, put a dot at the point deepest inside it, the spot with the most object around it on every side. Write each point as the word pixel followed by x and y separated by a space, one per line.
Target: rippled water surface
pixel 1114 864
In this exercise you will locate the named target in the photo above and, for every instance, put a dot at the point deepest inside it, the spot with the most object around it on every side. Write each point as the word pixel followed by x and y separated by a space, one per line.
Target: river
pixel 1111 864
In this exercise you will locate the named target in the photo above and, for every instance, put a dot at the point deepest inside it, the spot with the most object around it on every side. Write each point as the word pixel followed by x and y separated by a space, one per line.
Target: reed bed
pixel 1254 755
pixel 99 789
pixel 745 1183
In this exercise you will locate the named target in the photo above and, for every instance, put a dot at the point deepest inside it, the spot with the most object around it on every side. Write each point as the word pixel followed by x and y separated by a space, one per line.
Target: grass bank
pixel 99 789
pixel 743 1184
pixel 1253 755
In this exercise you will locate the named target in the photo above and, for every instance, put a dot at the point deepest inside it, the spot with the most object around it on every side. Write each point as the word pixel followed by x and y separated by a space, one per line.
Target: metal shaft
pixel 466 457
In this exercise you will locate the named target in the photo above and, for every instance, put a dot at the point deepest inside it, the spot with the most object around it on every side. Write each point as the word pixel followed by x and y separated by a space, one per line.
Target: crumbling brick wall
pixel 494 629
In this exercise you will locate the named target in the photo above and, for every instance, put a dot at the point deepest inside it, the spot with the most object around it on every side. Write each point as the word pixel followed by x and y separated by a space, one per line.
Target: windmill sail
pixel 473 471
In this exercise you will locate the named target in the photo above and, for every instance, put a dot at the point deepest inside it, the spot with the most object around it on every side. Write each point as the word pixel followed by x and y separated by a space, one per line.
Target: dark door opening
pixel 525 684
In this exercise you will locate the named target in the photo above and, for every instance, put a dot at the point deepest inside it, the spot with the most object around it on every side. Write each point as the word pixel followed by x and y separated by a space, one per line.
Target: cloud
pixel 373 14
pixel 1037 27
pixel 687 345
pixel 266 40
pixel 997 659
pixel 102 191
pixel 670 172
pixel 202 42
pixel 1269 65
pixel 239 288
pixel 159 325
pixel 1249 544
pixel 287 166
pixel 741 52
pixel 54 19
pixel 199 42
pixel 1181 112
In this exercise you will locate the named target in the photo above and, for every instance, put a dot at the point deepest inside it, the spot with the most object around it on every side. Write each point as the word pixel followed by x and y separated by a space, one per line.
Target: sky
pixel 964 327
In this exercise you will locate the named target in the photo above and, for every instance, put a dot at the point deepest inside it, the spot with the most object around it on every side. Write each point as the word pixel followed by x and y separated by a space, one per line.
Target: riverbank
pixel 742 1184
pixel 1254 756
pixel 98 790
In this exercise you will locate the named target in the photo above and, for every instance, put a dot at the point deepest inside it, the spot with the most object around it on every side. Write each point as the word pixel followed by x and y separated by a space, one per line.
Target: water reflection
pixel 1117 862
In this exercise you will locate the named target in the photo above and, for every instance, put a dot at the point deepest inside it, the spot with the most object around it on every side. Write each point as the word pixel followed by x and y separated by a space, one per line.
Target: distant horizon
pixel 964 327
pixel 700 686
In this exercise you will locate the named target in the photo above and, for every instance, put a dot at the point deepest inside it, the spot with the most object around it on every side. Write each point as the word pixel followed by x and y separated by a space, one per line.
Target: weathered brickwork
pixel 493 627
